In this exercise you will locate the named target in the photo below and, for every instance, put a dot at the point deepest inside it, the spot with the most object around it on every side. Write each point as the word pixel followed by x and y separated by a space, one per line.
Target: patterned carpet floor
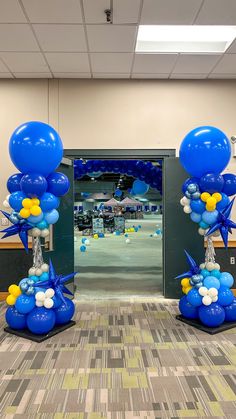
pixel 122 360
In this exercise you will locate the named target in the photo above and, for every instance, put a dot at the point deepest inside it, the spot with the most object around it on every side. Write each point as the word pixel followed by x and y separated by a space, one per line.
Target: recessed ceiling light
pixel 185 39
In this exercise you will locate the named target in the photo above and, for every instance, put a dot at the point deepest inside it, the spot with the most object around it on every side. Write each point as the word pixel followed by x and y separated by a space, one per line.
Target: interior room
pixel 118 221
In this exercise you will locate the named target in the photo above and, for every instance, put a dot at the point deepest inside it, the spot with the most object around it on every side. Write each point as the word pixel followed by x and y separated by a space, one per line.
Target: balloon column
pixel 38 302
pixel 205 153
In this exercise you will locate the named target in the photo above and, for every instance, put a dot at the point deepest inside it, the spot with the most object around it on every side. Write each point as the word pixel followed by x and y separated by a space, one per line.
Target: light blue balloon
pixel 44 276
pixel 216 273
pixel 203 225
pixel 52 216
pixel 42 225
pixel 35 219
pixel 34 278
pixel 196 218
pixel 211 282
pixel 205 272
pixel 210 217
pixel 226 279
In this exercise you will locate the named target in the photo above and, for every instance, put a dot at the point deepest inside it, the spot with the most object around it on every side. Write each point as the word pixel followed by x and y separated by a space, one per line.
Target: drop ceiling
pixel 71 39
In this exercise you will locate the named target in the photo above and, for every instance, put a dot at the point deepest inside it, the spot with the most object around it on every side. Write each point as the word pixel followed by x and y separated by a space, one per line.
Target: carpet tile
pixel 121 360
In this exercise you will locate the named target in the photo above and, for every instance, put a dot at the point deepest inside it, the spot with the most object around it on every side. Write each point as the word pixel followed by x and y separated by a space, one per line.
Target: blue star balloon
pixel 21 228
pixel 56 282
pixel 223 223
pixel 194 268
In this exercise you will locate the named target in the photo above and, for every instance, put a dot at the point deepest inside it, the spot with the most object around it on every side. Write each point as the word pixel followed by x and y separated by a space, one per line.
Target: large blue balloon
pixel 211 182
pixel 41 320
pixel 15 200
pixel 65 312
pixel 139 187
pixel 25 303
pixel 210 217
pixel 35 147
pixel 15 319
pixel 229 184
pixel 205 150
pixel 194 298
pixel 58 184
pixel 225 296
pixel 33 184
pixel 13 183
pixel 212 315
pixel 186 309
pixel 48 202
pixel 230 312
pixel 211 282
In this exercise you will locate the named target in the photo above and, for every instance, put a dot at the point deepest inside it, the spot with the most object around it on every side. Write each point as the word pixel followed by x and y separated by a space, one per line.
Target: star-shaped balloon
pixel 56 282
pixel 21 228
pixel 193 267
pixel 223 223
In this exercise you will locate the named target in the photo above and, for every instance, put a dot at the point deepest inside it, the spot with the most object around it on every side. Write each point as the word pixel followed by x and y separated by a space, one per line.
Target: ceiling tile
pixel 222 76
pixel 17 37
pixel 65 38
pixel 72 75
pixel 200 64
pixel 68 62
pixel 232 48
pixel 33 75
pixel 3 68
pixel 217 12
pixel 169 12
pixel 94 10
pixel 11 12
pixel 111 63
pixel 150 76
pixel 189 76
pixel 53 11
pixel 227 65
pixel 6 76
pixel 126 11
pixel 111 38
pixel 154 63
pixel 111 75
pixel 25 62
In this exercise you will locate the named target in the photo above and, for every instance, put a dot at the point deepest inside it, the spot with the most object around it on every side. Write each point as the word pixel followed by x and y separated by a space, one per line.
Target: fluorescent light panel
pixel 185 39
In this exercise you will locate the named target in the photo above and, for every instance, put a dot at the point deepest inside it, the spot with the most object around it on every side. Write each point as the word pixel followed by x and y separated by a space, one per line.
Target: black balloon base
pixel 211 330
pixel 26 334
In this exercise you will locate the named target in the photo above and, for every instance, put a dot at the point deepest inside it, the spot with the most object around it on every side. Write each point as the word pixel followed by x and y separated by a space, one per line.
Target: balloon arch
pixel 146 172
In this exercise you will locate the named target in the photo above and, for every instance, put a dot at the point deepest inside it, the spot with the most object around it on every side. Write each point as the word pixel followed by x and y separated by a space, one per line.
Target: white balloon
pixel 214 299
pixel 213 292
pixel 87 242
pixel 201 231
pixel 185 200
pixel 38 272
pixel 155 235
pixel 6 204
pixel 127 241
pixel 217 266
pixel 45 267
pixel 49 293
pixel 206 300
pixel 187 209
pixel 203 291
pixel 32 271
pixel 39 303
pixel 202 266
pixel 182 202
pixel 45 232
pixel 36 232
pixel 210 266
pixel 7 197
pixel 40 296
pixel 48 303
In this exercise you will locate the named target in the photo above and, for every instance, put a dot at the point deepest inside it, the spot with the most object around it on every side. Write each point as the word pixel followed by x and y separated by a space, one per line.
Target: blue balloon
pixel 15 200
pixel 139 187
pixel 44 276
pixel 226 279
pixel 203 225
pixel 194 298
pixel 225 296
pixel 210 217
pixel 223 203
pixel 83 240
pixel 35 147
pixel 229 184
pixel 41 320
pixel 230 312
pixel 211 282
pixel 14 217
pixel 186 309
pixel 33 184
pixel 216 273
pixel 65 312
pixel 35 219
pixel 198 206
pixel 42 225
pixel 48 202
pixel 118 192
pixel 52 216
pixel 58 184
pixel 212 315
pixel 196 218
pixel 56 301
pixel 205 150
pixel 205 272
pixel 83 248
pixel 34 278
pixel 211 182
pixel 13 183
pixel 14 319
pixel 25 303
pixel 188 182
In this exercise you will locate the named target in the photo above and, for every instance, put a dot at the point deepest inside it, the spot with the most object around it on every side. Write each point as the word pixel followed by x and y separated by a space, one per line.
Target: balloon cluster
pixel 205 153
pixel 146 172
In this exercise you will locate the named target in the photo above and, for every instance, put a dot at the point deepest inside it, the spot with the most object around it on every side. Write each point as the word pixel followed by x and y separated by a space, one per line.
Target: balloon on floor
pixel 205 153
pixel 34 196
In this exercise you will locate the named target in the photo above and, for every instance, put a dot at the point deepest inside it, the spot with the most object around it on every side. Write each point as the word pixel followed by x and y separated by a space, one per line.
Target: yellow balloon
pixel 27 203
pixel 210 207
pixel 95 236
pixel 217 196
pixel 187 289
pixel 211 201
pixel 10 300
pixel 184 290
pixel 35 201
pixel 205 196
pixel 15 290
pixel 35 210
pixel 24 212
pixel 185 282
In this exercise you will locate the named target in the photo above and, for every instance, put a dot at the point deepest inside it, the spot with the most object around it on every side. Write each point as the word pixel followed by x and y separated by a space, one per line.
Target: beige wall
pixel 115 114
